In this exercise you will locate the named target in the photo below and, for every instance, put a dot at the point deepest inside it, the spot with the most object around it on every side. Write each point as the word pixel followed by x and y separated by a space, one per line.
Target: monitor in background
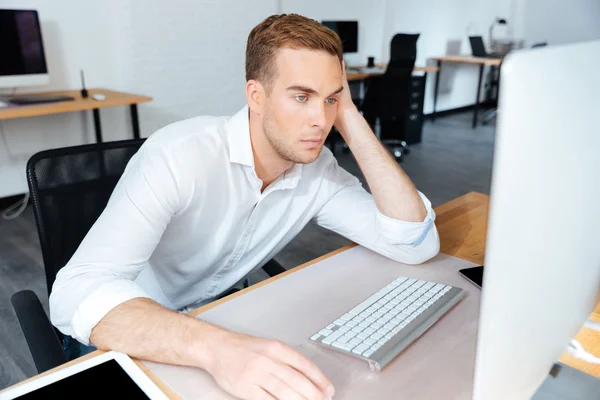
pixel 22 57
pixel 542 263
pixel 348 33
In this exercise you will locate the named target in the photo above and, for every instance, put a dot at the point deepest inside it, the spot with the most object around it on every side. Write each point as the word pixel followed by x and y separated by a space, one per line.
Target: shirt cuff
pixel 402 232
pixel 95 306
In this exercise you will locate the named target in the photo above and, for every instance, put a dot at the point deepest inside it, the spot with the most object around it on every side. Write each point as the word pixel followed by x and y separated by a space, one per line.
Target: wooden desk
pixel 462 225
pixel 464 59
pixel 113 99
pixel 359 76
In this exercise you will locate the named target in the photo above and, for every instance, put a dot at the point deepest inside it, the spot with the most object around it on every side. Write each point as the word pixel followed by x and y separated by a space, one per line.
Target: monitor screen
pixel 21 47
pixel 347 31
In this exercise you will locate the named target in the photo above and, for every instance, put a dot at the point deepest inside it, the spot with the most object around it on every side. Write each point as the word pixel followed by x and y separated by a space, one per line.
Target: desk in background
pixel 462 225
pixel 113 99
pixel 464 59
pixel 415 118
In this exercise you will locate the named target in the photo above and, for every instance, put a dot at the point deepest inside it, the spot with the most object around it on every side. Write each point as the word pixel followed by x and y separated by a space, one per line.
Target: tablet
pixel 109 375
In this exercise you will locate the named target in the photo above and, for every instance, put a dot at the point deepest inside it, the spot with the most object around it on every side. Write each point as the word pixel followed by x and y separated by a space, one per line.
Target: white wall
pixel 562 22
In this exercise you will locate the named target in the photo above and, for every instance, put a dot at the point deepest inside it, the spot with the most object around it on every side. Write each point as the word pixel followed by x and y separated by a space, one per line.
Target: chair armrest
pixel 39 333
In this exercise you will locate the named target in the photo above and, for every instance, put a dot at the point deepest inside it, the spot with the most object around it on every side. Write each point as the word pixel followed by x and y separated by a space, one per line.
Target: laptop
pixel 478 48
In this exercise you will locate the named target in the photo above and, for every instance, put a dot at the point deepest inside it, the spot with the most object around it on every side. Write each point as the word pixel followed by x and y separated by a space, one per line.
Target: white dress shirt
pixel 187 221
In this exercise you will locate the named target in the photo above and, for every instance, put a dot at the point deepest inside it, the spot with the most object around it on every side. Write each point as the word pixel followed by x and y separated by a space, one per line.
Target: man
pixel 208 200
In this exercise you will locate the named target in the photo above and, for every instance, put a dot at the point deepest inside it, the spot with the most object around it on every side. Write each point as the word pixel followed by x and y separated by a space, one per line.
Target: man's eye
pixel 331 100
pixel 301 98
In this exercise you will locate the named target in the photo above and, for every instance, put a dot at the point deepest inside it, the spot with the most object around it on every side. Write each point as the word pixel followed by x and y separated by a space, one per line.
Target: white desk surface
pixel 439 365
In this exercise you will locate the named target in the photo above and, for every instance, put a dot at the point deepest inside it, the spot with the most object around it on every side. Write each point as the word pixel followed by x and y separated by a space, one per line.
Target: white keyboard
pixel 383 325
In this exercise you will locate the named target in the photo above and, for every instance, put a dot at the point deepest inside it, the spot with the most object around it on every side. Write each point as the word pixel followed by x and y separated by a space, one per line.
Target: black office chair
pixel 69 188
pixel 387 98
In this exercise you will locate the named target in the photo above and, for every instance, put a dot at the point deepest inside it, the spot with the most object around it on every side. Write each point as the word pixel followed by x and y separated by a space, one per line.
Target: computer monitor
pixel 22 57
pixel 348 33
pixel 542 263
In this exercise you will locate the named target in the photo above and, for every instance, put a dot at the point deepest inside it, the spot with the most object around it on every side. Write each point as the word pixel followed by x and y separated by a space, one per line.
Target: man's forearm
pixel 393 191
pixel 146 330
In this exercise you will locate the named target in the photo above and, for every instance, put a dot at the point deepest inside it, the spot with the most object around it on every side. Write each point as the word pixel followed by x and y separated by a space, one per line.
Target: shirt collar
pixel 238 138
pixel 240 148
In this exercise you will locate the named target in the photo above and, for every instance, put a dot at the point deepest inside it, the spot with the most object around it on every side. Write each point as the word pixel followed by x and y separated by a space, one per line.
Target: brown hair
pixel 281 31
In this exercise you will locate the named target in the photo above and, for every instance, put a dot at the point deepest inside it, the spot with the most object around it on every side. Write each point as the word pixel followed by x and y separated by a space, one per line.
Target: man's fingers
pixel 302 364
pixel 280 390
pixel 259 393
pixel 297 381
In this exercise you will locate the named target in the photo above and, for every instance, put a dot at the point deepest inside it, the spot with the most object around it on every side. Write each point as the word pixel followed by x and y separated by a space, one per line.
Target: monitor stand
pixel 567 383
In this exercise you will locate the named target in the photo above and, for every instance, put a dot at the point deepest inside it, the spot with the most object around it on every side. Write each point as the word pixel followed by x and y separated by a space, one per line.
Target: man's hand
pixel 345 105
pixel 258 369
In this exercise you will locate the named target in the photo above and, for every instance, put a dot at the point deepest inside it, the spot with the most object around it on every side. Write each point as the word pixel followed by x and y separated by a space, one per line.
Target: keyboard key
pixel 355 341
pixel 332 338
pixel 383 341
pixel 378 314
pixel 351 324
pixel 325 332
pixel 360 348
pixel 362 336
pixel 390 335
pixel 376 325
pixel 376 346
pixel 364 314
pixel 368 353
pixel 396 330
pixel 330 326
pixel 315 336
pixel 376 335
pixel 384 331
pixel 389 326
pixel 357 329
pixel 344 329
pixel 370 341
pixel 364 324
pixel 343 346
pixel 346 317
pixel 371 319
pixel 339 322
pixel 370 330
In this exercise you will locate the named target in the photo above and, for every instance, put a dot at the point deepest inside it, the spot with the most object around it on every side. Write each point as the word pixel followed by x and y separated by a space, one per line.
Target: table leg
pixel 476 107
pixel 97 126
pixel 135 121
pixel 437 88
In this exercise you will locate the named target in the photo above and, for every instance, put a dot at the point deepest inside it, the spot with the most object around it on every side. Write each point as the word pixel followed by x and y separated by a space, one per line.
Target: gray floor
pixel 452 160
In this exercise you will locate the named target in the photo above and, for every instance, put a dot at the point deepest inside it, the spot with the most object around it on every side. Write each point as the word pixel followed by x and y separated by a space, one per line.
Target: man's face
pixel 301 108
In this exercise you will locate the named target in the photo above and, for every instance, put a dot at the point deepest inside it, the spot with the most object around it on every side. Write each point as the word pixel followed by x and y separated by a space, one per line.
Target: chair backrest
pixel 70 188
pixel 388 97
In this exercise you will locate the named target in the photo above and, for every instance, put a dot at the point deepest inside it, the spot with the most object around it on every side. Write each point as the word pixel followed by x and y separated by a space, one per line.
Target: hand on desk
pixel 254 368
pixel 247 367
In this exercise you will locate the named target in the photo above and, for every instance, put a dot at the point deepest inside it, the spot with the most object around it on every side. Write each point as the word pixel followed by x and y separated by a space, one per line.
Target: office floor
pixel 452 160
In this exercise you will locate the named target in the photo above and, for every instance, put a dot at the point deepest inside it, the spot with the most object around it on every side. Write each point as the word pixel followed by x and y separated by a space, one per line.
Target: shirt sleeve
pixel 351 211
pixel 101 273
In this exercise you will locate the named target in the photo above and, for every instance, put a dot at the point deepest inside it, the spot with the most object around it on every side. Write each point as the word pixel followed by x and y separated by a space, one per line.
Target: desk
pixel 464 59
pixel 461 224
pixel 358 76
pixel 113 99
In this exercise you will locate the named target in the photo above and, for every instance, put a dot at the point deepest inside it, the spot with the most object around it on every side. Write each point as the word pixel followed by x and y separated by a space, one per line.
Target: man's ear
pixel 255 95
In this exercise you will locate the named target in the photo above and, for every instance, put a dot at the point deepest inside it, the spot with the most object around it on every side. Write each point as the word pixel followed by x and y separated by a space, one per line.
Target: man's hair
pixel 285 31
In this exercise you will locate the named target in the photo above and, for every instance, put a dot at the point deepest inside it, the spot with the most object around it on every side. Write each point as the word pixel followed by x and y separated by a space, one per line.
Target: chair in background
pixel 69 188
pixel 388 97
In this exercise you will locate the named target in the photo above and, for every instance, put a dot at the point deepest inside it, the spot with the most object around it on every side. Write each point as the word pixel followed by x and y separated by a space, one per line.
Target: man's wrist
pixel 206 340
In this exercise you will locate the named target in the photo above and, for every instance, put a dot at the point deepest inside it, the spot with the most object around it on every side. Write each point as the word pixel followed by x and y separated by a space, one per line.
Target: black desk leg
pixel 437 88
pixel 97 126
pixel 476 107
pixel 134 121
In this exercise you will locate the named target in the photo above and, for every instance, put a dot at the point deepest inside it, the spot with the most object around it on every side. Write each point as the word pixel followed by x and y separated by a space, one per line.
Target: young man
pixel 208 200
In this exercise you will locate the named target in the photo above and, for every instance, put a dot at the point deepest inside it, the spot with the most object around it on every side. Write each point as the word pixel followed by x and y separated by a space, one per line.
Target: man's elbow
pixel 418 254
